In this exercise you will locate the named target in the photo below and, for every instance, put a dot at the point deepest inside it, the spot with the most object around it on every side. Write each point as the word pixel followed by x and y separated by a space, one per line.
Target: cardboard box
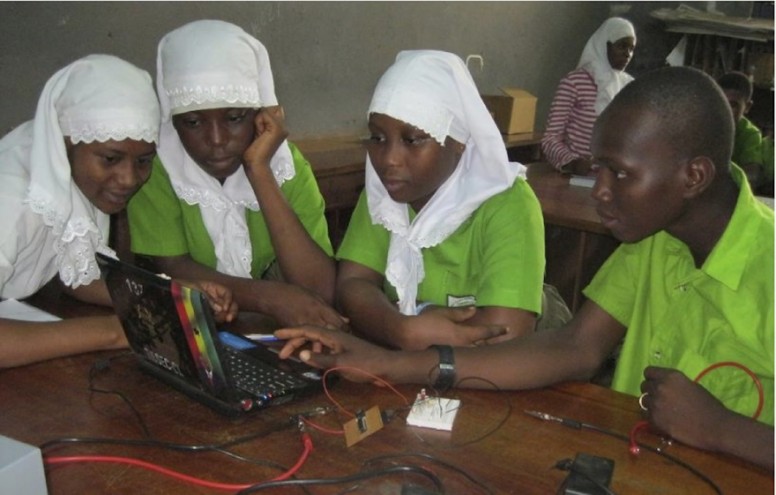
pixel 514 111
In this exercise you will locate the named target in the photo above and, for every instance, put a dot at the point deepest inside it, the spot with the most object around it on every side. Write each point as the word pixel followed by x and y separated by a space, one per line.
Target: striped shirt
pixel 570 122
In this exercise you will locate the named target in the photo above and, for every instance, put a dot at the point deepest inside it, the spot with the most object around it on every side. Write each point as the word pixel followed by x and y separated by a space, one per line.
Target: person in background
pixel 446 243
pixel 584 93
pixel 86 152
pixel 747 148
pixel 229 199
pixel 691 288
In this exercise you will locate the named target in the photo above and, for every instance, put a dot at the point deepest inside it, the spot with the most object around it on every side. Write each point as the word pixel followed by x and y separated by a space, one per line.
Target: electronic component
pixel 363 425
pixel 588 475
pixel 433 412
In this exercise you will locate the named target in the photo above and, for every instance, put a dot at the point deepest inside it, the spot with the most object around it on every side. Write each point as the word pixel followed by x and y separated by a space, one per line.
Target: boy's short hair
pixel 736 81
pixel 695 116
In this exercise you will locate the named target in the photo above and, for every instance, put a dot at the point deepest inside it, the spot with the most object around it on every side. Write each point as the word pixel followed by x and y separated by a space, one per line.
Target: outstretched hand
pixel 325 348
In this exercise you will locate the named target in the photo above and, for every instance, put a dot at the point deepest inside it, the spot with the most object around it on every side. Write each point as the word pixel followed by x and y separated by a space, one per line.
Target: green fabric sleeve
pixel 155 219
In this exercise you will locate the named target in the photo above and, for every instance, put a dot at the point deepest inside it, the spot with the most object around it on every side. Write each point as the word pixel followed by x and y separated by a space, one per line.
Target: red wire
pixel 358 370
pixel 634 446
pixel 307 442
pixel 321 428
pixel 755 379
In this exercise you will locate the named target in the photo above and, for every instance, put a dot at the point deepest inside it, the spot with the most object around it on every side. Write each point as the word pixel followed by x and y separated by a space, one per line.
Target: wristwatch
pixel 446 376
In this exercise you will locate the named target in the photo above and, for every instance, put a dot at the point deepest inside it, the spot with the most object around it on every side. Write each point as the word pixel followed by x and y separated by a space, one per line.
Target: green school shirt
pixel 161 224
pixel 495 258
pixel 688 319
pixel 747 144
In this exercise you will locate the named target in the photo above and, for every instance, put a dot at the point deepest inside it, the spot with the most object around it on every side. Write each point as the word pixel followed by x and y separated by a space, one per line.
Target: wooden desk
pixel 525 147
pixel 338 164
pixel 576 242
pixel 492 440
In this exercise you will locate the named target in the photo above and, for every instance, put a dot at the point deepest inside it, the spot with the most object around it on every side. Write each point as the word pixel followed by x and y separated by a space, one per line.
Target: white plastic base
pixel 21 468
pixel 433 412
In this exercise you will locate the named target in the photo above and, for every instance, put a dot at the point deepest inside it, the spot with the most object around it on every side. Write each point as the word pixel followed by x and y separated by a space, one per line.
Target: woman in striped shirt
pixel 583 94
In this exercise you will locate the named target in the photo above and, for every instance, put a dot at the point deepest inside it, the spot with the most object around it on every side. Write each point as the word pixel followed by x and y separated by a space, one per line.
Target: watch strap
pixel 446 369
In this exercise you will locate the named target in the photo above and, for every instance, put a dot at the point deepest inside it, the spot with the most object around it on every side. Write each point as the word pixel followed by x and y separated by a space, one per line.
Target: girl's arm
pixel 301 259
pixel 26 342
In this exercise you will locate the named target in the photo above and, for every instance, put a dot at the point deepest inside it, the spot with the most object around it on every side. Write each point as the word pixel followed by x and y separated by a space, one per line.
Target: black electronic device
pixel 170 328
pixel 588 475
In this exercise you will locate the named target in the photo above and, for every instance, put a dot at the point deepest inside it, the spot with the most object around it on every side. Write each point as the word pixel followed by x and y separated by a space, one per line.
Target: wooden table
pixel 492 441
pixel 338 164
pixel 576 242
pixel 493 444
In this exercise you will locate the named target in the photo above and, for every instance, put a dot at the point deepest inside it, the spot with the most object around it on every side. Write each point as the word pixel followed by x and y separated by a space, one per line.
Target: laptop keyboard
pixel 260 379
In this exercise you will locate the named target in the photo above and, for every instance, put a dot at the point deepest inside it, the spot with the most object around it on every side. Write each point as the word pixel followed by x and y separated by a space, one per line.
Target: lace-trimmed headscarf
pixel 434 91
pixel 596 61
pixel 96 98
pixel 205 65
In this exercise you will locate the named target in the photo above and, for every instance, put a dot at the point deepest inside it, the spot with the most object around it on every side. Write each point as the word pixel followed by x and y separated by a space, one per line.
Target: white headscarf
pixel 96 98
pixel 596 61
pixel 434 91
pixel 214 64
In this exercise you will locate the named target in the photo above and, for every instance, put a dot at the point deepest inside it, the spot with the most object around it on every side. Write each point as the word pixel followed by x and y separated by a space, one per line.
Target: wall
pixel 326 56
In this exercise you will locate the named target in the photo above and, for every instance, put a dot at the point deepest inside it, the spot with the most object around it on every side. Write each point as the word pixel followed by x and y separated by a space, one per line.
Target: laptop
pixel 171 330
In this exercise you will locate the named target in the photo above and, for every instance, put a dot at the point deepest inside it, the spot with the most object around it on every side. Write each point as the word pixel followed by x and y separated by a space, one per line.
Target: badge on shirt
pixel 461 301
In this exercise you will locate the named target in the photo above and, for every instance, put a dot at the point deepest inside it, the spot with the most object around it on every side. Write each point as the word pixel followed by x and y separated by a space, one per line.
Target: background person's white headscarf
pixel 433 91
pixel 214 64
pixel 596 61
pixel 96 98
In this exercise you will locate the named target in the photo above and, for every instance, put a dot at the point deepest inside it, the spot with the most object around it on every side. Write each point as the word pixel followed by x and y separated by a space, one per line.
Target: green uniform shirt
pixel 495 258
pixel 748 143
pixel 688 319
pixel 161 224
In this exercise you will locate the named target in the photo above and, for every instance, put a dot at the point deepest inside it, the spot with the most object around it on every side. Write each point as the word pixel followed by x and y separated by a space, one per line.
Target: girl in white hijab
pixel 445 219
pixel 104 111
pixel 606 60
pixel 229 195
pixel 88 149
pixel 584 93
pixel 86 152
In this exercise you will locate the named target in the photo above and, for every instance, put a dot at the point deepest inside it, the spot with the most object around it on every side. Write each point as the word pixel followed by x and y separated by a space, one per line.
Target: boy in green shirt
pixel 747 152
pixel 691 288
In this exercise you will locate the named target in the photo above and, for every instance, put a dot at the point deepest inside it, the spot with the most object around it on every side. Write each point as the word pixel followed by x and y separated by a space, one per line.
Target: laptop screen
pixel 165 323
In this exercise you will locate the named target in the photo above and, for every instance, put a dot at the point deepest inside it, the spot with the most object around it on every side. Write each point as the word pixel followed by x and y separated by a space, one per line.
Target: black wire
pixel 104 364
pixel 668 456
pixel 429 457
pixel 361 476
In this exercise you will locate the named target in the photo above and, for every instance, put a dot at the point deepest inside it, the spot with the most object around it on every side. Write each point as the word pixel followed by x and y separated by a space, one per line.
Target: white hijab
pixel 96 98
pixel 596 61
pixel 434 91
pixel 214 64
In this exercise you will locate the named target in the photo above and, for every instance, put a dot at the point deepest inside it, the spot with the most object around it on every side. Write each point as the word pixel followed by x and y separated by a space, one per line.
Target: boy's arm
pixel 574 352
pixel 25 342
